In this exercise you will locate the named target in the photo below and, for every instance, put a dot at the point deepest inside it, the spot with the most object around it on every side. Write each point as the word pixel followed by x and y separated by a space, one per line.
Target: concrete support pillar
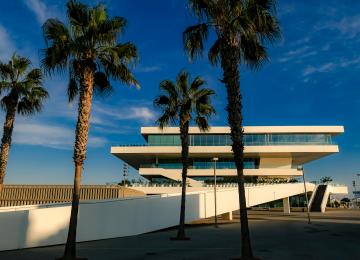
pixel 227 216
pixel 286 205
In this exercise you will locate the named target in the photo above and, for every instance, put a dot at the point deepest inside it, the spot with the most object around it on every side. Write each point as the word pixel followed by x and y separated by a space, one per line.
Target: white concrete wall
pixel 33 226
pixel 268 162
pixel 338 189
pixel 330 189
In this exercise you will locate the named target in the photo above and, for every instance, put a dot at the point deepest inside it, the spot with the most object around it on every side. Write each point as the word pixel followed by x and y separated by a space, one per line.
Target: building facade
pixel 270 151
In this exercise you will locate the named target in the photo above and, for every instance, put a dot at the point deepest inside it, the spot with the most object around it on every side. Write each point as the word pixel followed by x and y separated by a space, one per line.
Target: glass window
pixel 249 139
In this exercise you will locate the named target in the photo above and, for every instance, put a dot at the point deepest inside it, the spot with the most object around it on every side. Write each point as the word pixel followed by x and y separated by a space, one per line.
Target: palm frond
pixel 109 30
pixel 196 84
pixel 6 73
pixel 161 101
pixel 193 39
pixel 163 121
pixel 121 73
pixel 127 52
pixel 202 123
pixel 98 15
pixel 262 14
pixel 89 40
pixel 21 86
pixel 200 7
pixel 169 87
pixel 34 77
pixel 102 84
pixel 253 52
pixel 72 90
pixel 182 83
pixel 19 64
pixel 214 52
pixel 5 102
pixel 114 61
pixel 78 14
pixel 33 102
pixel 247 25
pixel 58 43
pixel 182 100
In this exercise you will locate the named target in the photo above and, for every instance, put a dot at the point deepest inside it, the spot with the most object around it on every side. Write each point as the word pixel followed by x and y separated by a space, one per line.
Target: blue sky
pixel 312 79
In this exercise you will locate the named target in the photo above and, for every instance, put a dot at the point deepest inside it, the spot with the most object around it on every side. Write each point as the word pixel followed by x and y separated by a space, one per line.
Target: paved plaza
pixel 332 235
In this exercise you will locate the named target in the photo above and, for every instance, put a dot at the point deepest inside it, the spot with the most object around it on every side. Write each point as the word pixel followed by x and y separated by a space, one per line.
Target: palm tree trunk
pixel 184 135
pixel 81 139
pixel 6 142
pixel 230 58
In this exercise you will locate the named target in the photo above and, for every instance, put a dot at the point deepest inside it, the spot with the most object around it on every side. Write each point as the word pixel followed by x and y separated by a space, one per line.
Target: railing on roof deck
pixel 249 140
pixel 223 185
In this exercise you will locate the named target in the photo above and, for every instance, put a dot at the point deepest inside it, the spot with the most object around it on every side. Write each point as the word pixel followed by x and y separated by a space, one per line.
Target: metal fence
pixel 16 195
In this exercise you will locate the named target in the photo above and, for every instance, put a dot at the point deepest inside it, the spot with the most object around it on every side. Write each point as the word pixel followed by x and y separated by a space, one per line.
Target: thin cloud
pixel 41 10
pixel 285 9
pixel 140 113
pixel 346 63
pixel 323 68
pixel 143 113
pixel 298 54
pixel 348 27
pixel 7 47
pixel 330 66
pixel 148 69
pixel 54 136
pixel 300 41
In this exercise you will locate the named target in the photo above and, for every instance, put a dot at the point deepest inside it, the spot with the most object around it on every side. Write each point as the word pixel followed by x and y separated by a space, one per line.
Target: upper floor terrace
pixel 300 143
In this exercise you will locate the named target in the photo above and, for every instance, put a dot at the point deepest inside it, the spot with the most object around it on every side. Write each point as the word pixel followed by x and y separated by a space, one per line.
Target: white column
pixel 227 216
pixel 286 205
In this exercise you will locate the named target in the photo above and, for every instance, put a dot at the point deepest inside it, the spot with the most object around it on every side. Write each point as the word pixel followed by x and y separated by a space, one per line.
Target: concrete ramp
pixel 44 225
pixel 321 195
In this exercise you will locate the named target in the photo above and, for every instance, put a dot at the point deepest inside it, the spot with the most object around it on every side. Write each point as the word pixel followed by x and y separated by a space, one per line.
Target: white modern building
pixel 270 151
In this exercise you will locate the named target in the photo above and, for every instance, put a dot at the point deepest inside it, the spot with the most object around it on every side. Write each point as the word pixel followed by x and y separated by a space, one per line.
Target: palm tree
pixel 241 28
pixel 23 94
pixel 181 103
pixel 326 179
pixel 86 46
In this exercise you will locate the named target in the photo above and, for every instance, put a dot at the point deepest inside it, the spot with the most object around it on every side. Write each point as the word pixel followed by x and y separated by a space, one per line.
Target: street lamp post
pixel 215 159
pixel 355 191
pixel 125 174
pixel 301 168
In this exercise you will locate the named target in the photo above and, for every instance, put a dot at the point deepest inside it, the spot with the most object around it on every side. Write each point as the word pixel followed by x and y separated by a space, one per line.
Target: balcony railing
pixel 205 165
pixel 249 140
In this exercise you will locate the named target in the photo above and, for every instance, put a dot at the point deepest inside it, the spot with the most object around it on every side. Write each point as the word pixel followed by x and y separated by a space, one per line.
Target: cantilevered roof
pixel 333 130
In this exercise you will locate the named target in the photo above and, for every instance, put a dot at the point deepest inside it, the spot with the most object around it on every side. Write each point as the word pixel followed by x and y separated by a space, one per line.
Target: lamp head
pixel 215 159
pixel 300 168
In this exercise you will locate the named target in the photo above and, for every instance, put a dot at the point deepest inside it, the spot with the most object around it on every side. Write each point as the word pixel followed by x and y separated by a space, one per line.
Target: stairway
pixel 318 199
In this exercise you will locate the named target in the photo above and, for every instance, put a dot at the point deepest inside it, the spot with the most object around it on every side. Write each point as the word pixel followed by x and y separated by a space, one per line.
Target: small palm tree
pixel 87 47
pixel 326 179
pixel 181 103
pixel 23 94
pixel 241 28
